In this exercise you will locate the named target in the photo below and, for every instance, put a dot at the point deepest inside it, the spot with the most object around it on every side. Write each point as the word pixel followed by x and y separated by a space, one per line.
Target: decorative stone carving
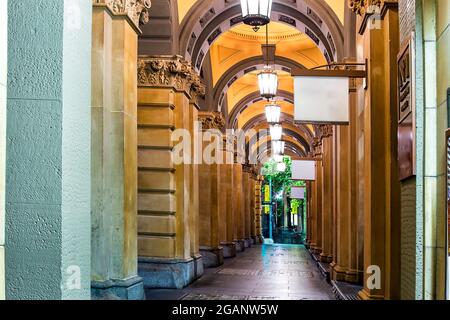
pixel 212 120
pixel 247 168
pixel 170 72
pixel 361 7
pixel 137 10
pixel 316 144
pixel 326 130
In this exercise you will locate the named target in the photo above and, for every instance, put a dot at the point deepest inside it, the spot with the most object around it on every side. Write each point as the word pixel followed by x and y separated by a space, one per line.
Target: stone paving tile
pixel 268 272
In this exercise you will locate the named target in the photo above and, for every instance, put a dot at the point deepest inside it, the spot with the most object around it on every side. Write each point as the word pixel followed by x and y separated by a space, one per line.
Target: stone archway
pixel 207 20
pixel 244 67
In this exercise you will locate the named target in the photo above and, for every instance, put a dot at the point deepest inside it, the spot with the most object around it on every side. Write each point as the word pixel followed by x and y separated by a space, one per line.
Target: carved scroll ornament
pixel 361 7
pixel 170 71
pixel 137 10
pixel 212 120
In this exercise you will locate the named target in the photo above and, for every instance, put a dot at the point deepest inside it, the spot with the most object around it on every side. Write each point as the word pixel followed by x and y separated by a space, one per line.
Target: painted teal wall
pixel 48 149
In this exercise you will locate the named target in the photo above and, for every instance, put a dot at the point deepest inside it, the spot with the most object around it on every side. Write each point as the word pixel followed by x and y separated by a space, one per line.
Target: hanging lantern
pixel 278 147
pixel 256 13
pixel 273 113
pixel 268 83
pixel 276 131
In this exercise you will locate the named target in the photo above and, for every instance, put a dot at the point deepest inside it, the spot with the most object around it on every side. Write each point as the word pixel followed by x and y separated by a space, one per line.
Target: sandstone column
pixel 194 198
pixel 238 199
pixel 327 193
pixel 209 190
pixel 227 202
pixel 316 203
pixel 340 265
pixel 167 87
pixel 381 178
pixel 114 156
pixel 253 204
pixel 308 213
pixel 258 209
pixel 246 173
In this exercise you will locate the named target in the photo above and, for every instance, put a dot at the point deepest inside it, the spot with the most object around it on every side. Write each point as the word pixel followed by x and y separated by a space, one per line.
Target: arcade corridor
pixel 155 149
pixel 266 272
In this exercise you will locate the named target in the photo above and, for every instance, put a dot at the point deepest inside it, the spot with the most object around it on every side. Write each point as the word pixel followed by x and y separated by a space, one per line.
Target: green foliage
pixel 280 180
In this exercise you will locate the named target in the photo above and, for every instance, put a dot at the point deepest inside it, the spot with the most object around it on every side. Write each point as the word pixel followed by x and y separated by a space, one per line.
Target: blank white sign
pixel 304 170
pixel 298 193
pixel 321 100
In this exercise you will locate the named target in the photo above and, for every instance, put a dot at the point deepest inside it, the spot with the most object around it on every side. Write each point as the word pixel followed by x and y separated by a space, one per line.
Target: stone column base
pixel 198 264
pixel 354 276
pixel 212 257
pixel 229 249
pixel 338 273
pixel 168 273
pixel 240 245
pixel 248 242
pixel 364 295
pixel 326 258
pixel 128 289
pixel 316 250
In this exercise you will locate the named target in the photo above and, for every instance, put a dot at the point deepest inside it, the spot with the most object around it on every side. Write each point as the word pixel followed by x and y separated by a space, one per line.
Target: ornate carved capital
pixel 170 72
pixel 247 168
pixel 361 7
pixel 137 10
pixel 316 147
pixel 212 120
pixel 326 130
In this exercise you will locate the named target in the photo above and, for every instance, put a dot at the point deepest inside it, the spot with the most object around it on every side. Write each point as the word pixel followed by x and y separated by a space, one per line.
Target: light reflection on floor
pixel 275 272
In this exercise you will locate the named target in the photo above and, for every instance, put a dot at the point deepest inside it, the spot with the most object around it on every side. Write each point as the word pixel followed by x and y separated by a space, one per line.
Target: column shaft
pixel 238 208
pixel 114 160
pixel 167 223
pixel 327 197
pixel 48 151
pixel 209 191
pixel 381 177
pixel 227 201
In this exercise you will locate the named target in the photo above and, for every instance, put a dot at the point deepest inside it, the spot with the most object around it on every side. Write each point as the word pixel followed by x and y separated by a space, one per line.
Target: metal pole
pixel 271 208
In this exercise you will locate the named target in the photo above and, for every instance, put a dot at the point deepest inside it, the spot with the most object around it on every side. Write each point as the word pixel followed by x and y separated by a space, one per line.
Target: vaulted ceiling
pixel 305 33
pixel 336 5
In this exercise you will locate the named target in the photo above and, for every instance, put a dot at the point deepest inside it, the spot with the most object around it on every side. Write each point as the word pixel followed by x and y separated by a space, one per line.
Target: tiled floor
pixel 276 272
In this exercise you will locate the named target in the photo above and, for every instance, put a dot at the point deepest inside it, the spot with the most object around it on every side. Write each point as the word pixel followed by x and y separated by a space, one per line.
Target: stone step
pixel 345 290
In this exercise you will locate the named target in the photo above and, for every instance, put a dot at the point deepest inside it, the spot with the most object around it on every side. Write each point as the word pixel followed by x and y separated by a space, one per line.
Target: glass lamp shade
pixel 281 167
pixel 256 13
pixel 278 147
pixel 268 83
pixel 276 131
pixel 273 113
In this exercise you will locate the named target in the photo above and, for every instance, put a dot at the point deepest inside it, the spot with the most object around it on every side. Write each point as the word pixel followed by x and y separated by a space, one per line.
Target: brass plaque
pixel 406 111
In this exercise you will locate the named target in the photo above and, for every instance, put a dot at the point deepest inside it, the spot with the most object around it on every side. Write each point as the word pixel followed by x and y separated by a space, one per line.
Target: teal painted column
pixel 48 149
pixel 3 72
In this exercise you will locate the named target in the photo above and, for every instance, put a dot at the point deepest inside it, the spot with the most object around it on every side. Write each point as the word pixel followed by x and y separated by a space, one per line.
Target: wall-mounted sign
pixel 304 170
pixel 406 111
pixel 294 208
pixel 321 99
pixel 267 209
pixel 298 193
pixel 267 195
